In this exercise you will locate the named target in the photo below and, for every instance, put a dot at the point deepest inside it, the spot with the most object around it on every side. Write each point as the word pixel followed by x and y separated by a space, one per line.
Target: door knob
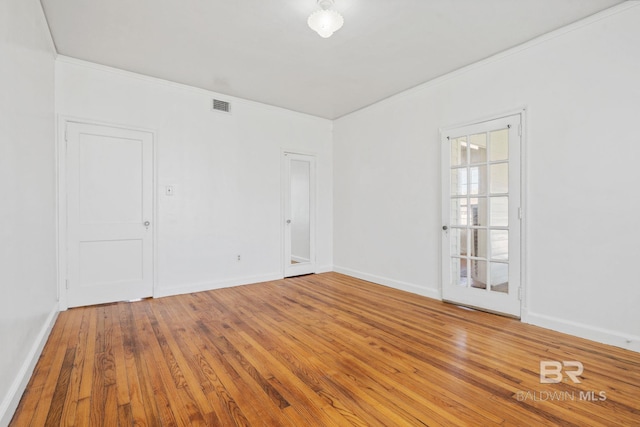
pixel 288 221
pixel 147 223
pixel 445 228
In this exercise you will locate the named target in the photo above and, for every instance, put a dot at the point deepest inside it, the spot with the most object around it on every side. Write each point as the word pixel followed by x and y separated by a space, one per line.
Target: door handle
pixel 445 228
pixel 288 221
pixel 147 223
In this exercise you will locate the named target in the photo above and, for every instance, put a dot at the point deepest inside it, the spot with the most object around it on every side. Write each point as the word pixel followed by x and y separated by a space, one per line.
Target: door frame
pixel 312 212
pixel 61 192
pixel 522 112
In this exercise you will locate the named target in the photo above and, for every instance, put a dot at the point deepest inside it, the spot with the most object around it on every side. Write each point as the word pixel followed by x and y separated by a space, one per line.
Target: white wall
pixel 27 211
pixel 225 169
pixel 581 88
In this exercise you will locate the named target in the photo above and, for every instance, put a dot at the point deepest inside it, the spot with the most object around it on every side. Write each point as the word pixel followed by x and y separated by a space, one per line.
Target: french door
pixel 481 212
pixel 109 214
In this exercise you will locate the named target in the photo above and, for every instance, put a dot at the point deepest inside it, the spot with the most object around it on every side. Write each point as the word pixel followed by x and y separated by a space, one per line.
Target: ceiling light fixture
pixel 325 21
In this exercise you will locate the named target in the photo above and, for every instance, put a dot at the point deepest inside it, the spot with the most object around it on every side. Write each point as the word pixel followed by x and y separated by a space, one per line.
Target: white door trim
pixel 62 187
pixel 290 271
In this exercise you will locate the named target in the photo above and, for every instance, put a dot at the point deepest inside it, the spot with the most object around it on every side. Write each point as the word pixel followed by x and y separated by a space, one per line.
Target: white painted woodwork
pixel 109 214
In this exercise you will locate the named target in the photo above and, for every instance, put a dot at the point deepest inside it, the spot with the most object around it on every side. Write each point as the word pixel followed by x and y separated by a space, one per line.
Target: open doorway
pixel 299 213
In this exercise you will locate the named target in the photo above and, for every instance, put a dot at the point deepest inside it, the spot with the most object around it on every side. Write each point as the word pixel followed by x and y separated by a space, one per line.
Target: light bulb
pixel 325 22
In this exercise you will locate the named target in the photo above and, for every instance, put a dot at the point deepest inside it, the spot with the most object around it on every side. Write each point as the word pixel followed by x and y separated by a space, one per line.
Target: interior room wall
pixel 27 212
pixel 581 91
pixel 225 170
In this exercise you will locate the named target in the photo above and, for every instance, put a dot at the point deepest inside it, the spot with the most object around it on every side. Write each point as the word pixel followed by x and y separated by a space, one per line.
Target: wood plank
pixel 317 350
pixel 53 358
pixel 79 341
pixel 54 415
pixel 173 380
pixel 225 411
pixel 134 398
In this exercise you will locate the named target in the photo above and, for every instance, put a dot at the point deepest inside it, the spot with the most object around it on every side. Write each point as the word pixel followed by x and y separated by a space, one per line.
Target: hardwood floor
pixel 319 350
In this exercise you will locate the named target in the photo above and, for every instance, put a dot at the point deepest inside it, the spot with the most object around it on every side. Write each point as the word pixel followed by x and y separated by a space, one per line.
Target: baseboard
pixel 209 286
pixel 397 284
pixel 324 269
pixel 604 336
pixel 13 396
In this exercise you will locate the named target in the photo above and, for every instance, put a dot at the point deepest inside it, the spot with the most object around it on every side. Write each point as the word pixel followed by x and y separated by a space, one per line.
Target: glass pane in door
pixel 478 148
pixel 478 211
pixel 458 242
pixel 500 277
pixel 478 243
pixel 459 211
pixel 499 215
pixel 459 271
pixel 499 178
pixel 459 151
pixel 478 180
pixel 459 182
pixel 477 274
pixel 500 244
pixel 499 145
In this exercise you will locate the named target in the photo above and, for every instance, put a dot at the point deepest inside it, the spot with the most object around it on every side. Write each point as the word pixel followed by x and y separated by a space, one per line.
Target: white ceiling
pixel 262 50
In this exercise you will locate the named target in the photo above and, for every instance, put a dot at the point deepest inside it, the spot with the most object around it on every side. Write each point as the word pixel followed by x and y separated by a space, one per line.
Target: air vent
pixel 223 106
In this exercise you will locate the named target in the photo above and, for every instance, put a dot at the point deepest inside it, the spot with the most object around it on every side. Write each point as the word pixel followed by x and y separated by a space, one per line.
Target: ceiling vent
pixel 223 106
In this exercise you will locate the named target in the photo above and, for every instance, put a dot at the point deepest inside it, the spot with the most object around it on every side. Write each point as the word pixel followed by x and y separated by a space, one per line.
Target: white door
pixel 481 215
pixel 299 214
pixel 109 214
